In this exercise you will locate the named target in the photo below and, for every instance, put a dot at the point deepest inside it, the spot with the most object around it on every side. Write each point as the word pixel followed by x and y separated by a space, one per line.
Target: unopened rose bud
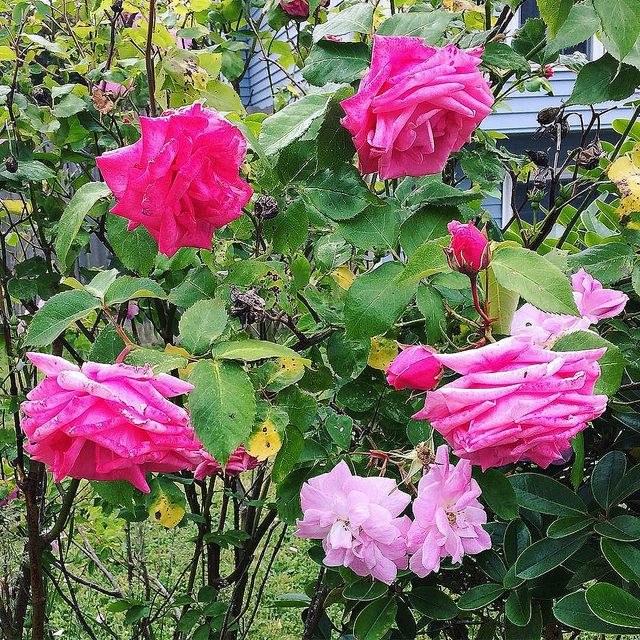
pixel 415 368
pixel 469 251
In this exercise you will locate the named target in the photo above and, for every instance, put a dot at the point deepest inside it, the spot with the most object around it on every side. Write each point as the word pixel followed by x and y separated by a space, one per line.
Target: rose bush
pixel 287 359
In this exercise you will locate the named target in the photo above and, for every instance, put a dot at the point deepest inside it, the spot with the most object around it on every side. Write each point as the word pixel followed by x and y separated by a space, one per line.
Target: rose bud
pixel 469 251
pixel 415 367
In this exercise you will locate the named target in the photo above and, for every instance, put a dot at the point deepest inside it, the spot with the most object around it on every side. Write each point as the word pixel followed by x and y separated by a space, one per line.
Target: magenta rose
pixel 515 401
pixel 414 368
pixel 469 251
pixel 296 8
pixel 180 180
pixel 416 105
pixel 239 461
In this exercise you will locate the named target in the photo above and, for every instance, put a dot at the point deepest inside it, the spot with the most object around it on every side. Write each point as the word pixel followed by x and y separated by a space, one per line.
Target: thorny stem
pixel 476 303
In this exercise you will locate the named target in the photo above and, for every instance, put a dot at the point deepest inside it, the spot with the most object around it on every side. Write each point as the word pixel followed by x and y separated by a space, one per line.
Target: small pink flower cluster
pixel 361 527
pixel 594 302
pixel 114 422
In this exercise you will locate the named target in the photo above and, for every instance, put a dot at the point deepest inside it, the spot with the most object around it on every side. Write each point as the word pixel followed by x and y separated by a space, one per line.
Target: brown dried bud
pixel 116 7
pixel 589 157
pixel 42 96
pixel 11 164
pixel 562 127
pixel 266 207
pixel 100 101
pixel 425 455
pixel 539 158
pixel 548 115
pixel 248 306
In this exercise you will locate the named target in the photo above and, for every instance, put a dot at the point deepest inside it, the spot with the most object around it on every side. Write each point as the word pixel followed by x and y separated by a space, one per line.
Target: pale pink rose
pixel 595 302
pixel 544 328
pixel 239 461
pixel 448 518
pixel 107 421
pixel 180 180
pixel 358 520
pixel 132 310
pixel 416 105
pixel 296 8
pixel 469 250
pixel 182 43
pixel 116 89
pixel 515 401
pixel 21 327
pixel 414 368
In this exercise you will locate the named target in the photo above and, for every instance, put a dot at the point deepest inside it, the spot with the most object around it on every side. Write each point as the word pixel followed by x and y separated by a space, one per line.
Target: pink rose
pixel 547 72
pixel 132 310
pixel 514 401
pixel 414 368
pixel 469 251
pixel 107 422
pixel 594 302
pixel 116 89
pixel 416 105
pixel 448 518
pixel 180 180
pixel 358 520
pixel 182 43
pixel 238 462
pixel 543 328
pixel 296 8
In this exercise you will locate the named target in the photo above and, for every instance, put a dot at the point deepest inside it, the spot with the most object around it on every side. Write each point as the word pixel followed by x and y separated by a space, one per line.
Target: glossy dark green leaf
pixel 375 619
pixel 614 605
pixel 625 528
pixel 434 603
pixel 543 494
pixel 497 492
pixel 567 525
pixel 517 608
pixel 480 596
pixel 547 554
pixel 624 557
pixel 574 611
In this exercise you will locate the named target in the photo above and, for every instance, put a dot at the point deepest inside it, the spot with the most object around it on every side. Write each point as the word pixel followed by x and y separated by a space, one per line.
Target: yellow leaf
pixel 7 53
pixel 179 351
pixel 265 441
pixel 383 351
pixel 15 207
pixel 165 512
pixel 343 276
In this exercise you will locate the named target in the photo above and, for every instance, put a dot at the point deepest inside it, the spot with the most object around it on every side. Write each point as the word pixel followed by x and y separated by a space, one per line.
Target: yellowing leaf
pixel 165 512
pixel 461 5
pixel 180 351
pixel 15 207
pixel 7 53
pixel 343 276
pixel 383 351
pixel 265 441
pixel 625 173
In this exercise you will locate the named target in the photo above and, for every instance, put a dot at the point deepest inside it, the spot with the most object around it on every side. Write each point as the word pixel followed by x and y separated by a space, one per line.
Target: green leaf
pixel 376 619
pixel 581 23
pixel 542 494
pixel 201 324
pixel 432 602
pixel 289 228
pixel 547 554
pixel 531 631
pixel 200 284
pixel 71 220
pixel 129 288
pixel 536 279
pixel 222 406
pixel 428 223
pixel 69 105
pixel 625 528
pixel 554 13
pixel 614 605
pixel 620 23
pixel 502 304
pixel 365 589
pixel 376 300
pixel 115 492
pixel 428 25
pixel 336 62
pixel 431 306
pixel 136 249
pixel 624 557
pixel 629 483
pixel 516 539
pixel 497 492
pixel 339 193
pixel 431 190
pixel 375 228
pixel 568 525
pixel 159 361
pixel 609 262
pixel 288 455
pixel 606 475
pixel 101 283
pixel 250 350
pixel 574 611
pixel 517 608
pixel 339 429
pixel 107 347
pixel 358 18
pixel 480 596
pixel 498 54
pixel 481 166
pixel 491 563
pixel 612 362
pixel 290 123
pixel 57 314
pixel 603 80
pixel 426 260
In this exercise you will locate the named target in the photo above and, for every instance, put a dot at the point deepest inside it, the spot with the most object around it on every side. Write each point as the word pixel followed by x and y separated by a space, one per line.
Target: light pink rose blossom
pixel 358 521
pixel 132 310
pixel 416 105
pixel 544 328
pixel 448 518
pixel 107 421
pixel 239 461
pixel 116 89
pixel 469 250
pixel 414 367
pixel 515 401
pixel 296 8
pixel 595 302
pixel 180 180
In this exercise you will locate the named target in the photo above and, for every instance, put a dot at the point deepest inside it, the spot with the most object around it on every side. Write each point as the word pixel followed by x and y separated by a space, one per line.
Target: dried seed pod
pixel 248 306
pixel 562 127
pixel 539 158
pixel 10 164
pixel 266 207
pixel 42 96
pixel 548 115
pixel 589 157
pixel 425 455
